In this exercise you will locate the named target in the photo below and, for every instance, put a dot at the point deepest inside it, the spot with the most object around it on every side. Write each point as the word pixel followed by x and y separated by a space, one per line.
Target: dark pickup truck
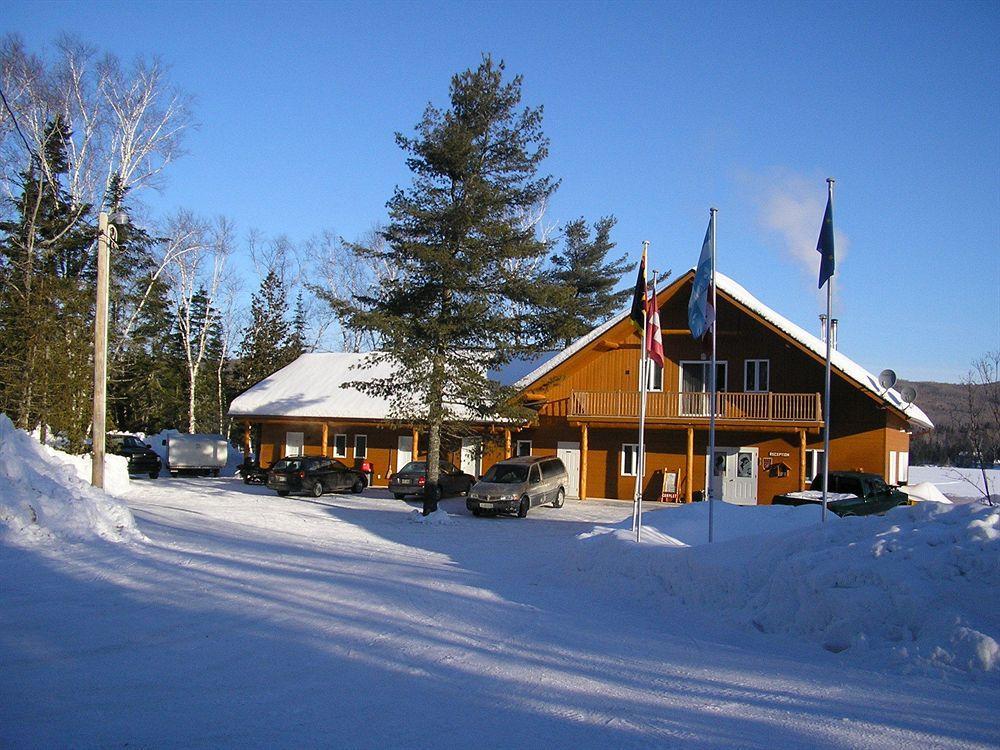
pixel 849 493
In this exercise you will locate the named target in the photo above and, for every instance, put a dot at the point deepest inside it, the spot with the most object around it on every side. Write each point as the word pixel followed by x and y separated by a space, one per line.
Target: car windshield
pixel 506 474
pixel 133 442
pixel 414 467
pixel 288 464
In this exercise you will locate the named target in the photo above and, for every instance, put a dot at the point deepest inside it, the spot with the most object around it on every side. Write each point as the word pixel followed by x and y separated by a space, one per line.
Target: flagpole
pixel 640 459
pixel 713 384
pixel 826 388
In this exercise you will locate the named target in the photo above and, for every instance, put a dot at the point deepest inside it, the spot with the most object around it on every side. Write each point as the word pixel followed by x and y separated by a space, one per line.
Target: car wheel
pixel 215 472
pixel 476 512
pixel 246 480
pixel 359 486
pixel 522 509
pixel 173 473
pixel 317 489
pixel 282 493
pixel 560 498
pixel 398 495
pixel 154 474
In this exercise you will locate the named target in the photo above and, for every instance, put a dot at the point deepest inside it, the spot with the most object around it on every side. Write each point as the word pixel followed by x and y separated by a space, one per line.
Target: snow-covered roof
pixel 311 387
pixel 838 360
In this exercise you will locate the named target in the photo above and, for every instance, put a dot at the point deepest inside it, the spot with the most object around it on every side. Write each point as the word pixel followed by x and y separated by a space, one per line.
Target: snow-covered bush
pixel 44 492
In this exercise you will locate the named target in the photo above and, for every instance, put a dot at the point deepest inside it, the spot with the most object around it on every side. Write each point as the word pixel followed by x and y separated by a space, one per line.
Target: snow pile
pixel 42 492
pixel 916 588
pixel 924 492
pixel 956 483
pixel 437 518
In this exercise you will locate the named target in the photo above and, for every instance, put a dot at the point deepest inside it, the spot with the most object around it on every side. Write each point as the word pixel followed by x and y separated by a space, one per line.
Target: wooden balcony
pixel 794 408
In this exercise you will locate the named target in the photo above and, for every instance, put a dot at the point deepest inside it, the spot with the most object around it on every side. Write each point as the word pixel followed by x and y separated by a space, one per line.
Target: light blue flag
pixel 701 314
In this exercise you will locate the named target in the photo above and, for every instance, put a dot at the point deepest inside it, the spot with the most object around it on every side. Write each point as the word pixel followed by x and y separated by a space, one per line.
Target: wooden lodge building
pixel 769 412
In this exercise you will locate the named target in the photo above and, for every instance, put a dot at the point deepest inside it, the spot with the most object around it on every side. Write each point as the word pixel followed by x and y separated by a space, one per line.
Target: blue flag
pixel 701 314
pixel 825 244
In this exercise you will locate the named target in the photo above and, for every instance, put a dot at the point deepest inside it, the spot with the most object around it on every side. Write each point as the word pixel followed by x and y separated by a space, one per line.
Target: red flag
pixel 654 340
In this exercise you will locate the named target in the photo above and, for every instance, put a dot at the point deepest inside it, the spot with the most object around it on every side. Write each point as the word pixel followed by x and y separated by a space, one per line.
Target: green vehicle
pixel 849 493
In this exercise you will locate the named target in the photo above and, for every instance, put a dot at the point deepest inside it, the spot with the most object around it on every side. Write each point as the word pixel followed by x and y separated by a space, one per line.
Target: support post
pixel 247 443
pixel 584 448
pixel 100 355
pixel 506 443
pixel 802 460
pixel 416 447
pixel 325 440
pixel 689 467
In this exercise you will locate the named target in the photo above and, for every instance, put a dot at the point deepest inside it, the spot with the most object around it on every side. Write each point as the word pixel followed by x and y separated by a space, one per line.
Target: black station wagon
pixel 313 475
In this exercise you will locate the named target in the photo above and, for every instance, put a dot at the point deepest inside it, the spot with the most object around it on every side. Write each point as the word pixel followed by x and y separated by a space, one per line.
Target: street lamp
pixel 106 231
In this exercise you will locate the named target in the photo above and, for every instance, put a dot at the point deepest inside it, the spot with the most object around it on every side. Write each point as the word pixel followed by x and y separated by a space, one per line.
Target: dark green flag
pixel 639 297
pixel 825 244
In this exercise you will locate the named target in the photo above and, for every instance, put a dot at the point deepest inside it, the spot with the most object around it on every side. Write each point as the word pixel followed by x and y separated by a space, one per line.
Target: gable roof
pixel 850 369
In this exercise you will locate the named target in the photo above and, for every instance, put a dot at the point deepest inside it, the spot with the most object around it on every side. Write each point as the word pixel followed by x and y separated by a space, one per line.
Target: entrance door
pixel 293 443
pixel 472 456
pixel 734 475
pixel 404 451
pixel 570 455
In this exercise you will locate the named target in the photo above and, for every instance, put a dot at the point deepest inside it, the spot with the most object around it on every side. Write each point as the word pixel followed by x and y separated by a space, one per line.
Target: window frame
pixel 756 372
pixel 363 453
pixel 517 448
pixel 343 452
pixel 652 371
pixel 631 449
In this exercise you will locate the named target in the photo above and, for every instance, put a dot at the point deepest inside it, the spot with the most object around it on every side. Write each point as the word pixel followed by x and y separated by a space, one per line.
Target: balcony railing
pixel 748 407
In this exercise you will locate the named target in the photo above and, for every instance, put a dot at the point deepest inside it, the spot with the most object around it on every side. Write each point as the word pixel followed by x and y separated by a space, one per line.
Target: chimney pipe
pixel 833 333
pixel 822 326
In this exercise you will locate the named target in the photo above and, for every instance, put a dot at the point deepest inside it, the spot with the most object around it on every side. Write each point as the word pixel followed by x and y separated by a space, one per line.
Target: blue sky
pixel 655 111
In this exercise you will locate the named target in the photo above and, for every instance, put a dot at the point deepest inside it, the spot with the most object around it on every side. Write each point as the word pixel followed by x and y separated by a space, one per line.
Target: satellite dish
pixel 887 379
pixel 908 393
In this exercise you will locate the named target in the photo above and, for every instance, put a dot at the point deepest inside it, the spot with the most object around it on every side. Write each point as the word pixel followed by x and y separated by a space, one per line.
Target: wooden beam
pixel 802 459
pixel 534 396
pixel 584 447
pixel 689 466
pixel 606 346
pixel 416 448
pixel 325 440
pixel 506 443
pixel 247 446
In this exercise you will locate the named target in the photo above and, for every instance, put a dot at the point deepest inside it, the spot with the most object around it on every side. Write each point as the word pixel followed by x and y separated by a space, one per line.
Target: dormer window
pixel 757 376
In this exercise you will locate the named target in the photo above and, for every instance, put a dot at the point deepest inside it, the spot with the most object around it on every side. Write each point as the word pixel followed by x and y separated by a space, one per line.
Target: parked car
pixel 141 458
pixel 412 479
pixel 515 485
pixel 849 493
pixel 313 475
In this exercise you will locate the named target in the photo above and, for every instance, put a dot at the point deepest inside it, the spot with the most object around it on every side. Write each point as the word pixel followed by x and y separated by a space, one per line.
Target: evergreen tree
pixel 46 304
pixel 464 297
pixel 584 281
pixel 297 343
pixel 267 343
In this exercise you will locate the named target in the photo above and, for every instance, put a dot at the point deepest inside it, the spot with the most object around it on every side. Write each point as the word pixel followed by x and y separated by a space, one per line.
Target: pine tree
pixel 267 344
pixel 465 294
pixel 584 280
pixel 46 304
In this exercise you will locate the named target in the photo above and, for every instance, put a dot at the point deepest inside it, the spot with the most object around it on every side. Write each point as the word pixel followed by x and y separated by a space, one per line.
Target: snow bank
pixel 958 484
pixel 44 492
pixel 915 588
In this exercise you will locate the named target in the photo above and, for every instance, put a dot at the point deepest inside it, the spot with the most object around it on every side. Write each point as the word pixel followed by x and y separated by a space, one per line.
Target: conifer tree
pixel 464 297
pixel 267 343
pixel 584 280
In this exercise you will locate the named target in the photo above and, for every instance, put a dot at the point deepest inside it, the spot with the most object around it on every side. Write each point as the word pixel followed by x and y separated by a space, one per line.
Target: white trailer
pixel 197 453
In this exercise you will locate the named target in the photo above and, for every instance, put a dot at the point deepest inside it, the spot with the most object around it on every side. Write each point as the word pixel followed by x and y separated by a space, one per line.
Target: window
pixel 630 459
pixel 340 446
pixel 903 476
pixel 523 448
pixel 534 475
pixel 654 376
pixel 695 393
pixel 360 446
pixel 814 464
pixel 756 376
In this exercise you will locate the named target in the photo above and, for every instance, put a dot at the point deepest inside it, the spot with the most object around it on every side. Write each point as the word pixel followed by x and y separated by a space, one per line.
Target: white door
pixel 293 443
pixel 404 451
pixel 472 456
pixel 570 455
pixel 734 475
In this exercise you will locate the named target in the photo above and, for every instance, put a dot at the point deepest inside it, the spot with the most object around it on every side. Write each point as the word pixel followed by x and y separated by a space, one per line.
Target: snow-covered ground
pixel 960 485
pixel 241 619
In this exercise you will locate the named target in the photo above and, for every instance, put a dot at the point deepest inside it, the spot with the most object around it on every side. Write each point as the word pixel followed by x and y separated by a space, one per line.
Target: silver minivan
pixel 515 485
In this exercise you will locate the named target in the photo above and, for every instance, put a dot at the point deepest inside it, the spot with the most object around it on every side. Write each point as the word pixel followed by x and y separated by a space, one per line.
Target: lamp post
pixel 106 231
